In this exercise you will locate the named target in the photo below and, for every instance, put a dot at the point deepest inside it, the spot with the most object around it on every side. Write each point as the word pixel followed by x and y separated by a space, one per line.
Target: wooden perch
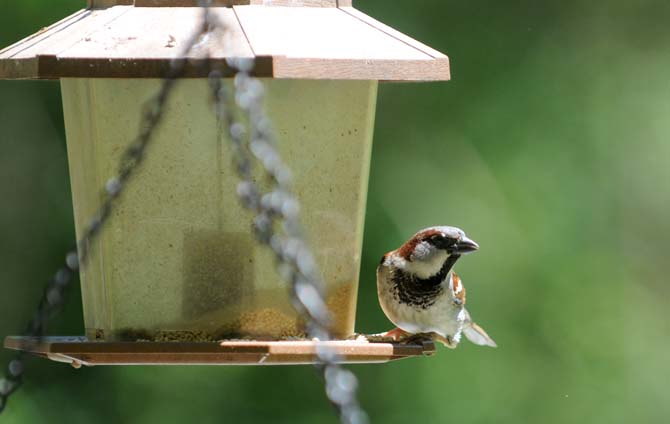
pixel 79 351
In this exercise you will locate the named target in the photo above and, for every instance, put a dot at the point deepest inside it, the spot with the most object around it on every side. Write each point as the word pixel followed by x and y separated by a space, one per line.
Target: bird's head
pixel 427 251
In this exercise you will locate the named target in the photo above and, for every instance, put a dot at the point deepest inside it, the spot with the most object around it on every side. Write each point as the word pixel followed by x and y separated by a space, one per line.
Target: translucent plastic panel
pixel 177 260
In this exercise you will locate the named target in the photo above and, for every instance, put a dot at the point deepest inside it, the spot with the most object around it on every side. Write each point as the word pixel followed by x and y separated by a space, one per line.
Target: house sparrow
pixel 420 293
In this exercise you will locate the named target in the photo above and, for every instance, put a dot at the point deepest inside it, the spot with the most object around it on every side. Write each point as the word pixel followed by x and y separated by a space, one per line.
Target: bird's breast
pixel 417 305
pixel 415 292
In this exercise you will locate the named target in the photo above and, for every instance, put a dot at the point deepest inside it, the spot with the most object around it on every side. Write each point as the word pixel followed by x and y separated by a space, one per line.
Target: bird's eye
pixel 442 241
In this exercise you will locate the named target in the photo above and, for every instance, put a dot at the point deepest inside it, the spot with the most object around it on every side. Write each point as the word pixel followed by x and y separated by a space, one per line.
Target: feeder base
pixel 80 351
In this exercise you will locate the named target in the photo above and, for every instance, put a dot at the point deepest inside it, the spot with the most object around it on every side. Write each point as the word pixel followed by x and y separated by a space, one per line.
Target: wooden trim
pixel 114 43
pixel 79 351
pixel 42 34
pixel 188 3
pixel 230 3
pixel 91 4
pixel 393 33
pixel 19 68
pixel 353 69
pixel 100 4
pixel 55 39
pixel 246 37
pixel 298 3
pixel 51 67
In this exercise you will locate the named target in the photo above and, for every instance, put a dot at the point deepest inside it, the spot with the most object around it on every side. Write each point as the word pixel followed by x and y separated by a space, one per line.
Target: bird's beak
pixel 465 245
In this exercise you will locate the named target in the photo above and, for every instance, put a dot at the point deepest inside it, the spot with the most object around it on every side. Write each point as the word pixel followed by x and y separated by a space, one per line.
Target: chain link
pixel 296 262
pixel 278 207
pixel 54 294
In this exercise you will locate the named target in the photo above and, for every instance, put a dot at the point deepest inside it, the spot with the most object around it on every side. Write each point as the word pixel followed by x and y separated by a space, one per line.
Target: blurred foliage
pixel 550 147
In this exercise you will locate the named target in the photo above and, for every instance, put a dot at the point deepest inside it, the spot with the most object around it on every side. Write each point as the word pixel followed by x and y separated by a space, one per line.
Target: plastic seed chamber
pixel 178 260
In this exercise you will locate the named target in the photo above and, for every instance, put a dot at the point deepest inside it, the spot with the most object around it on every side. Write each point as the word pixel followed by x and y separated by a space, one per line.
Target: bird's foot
pixel 402 336
pixel 446 341
pixel 418 338
pixel 397 334
pixel 394 335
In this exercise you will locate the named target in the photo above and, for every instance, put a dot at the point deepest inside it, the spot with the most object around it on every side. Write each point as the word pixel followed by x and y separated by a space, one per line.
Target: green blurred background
pixel 550 147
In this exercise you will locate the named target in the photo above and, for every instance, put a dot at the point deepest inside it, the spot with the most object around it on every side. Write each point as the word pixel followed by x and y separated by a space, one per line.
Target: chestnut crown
pixel 450 239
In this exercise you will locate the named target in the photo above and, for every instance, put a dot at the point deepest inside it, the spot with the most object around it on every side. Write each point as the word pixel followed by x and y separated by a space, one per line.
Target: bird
pixel 421 294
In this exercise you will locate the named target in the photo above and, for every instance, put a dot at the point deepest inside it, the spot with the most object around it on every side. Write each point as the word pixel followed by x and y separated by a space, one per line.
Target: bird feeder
pixel 177 261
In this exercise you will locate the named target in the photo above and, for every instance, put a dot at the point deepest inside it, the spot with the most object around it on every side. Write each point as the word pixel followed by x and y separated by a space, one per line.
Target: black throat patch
pixel 420 292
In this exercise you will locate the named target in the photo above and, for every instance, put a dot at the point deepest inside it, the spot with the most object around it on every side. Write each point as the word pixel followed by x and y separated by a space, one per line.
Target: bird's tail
pixel 476 334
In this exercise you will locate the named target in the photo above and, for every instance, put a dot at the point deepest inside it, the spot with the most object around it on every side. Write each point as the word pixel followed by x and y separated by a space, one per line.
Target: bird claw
pixel 395 335
pixel 446 341
pixel 398 335
pixel 418 338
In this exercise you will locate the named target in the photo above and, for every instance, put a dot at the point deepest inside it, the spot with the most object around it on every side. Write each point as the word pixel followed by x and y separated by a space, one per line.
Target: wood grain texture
pixel 41 35
pixel 96 4
pixel 326 33
pixel 187 3
pixel 80 351
pixel 295 3
pixel 50 67
pixel 27 58
pixel 217 3
pixel 393 33
pixel 160 33
pixel 303 42
pixel 228 3
pixel 71 33
pixel 351 69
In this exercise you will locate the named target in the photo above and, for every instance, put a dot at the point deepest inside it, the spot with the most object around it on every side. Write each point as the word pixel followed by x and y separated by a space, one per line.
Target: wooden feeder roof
pixel 307 39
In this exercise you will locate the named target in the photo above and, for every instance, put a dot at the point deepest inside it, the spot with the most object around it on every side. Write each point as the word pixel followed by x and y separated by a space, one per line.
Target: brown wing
pixel 458 289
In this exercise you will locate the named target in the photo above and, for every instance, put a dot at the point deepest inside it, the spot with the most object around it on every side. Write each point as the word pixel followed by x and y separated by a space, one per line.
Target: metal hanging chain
pixel 296 262
pixel 54 294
